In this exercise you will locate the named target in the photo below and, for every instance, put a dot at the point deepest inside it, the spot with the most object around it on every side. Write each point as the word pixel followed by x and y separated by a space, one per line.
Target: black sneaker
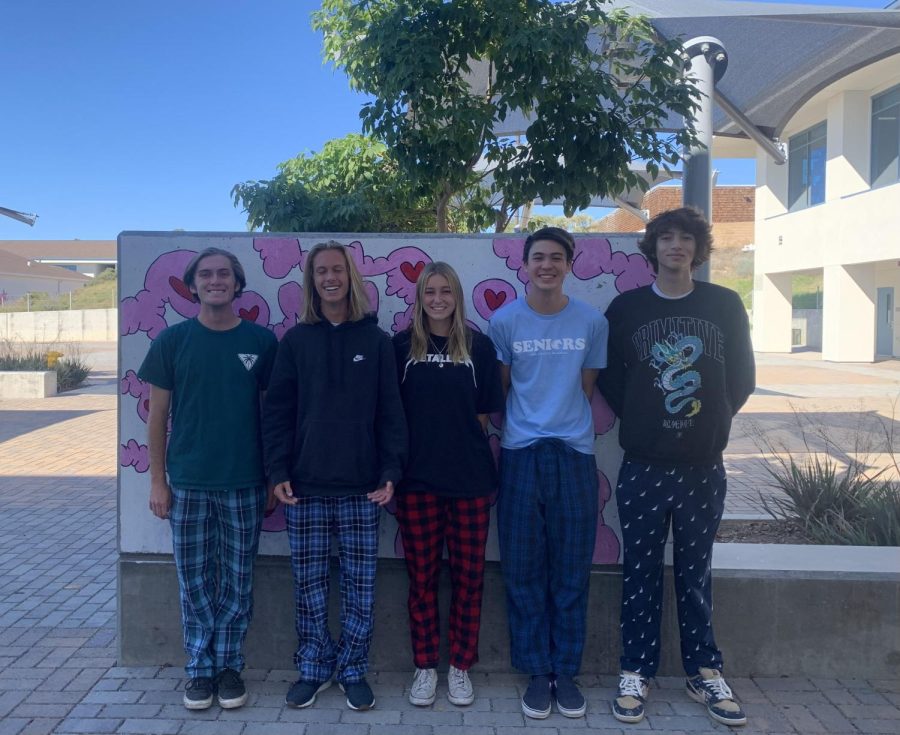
pixel 628 706
pixel 536 701
pixel 359 694
pixel 708 687
pixel 198 693
pixel 303 693
pixel 230 689
pixel 569 699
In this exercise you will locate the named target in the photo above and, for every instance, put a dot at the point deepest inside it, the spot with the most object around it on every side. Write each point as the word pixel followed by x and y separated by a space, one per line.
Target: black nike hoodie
pixel 333 422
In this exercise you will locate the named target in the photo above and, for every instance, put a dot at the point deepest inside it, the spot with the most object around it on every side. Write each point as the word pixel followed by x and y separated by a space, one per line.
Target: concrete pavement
pixel 58 672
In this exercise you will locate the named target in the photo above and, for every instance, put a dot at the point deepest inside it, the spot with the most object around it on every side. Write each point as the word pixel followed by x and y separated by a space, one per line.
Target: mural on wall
pixel 153 296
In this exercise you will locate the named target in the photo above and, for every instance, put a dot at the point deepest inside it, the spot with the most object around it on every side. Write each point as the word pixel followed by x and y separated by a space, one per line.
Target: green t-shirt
pixel 215 378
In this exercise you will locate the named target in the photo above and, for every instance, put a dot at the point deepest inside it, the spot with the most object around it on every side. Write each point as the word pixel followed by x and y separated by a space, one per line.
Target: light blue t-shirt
pixel 546 354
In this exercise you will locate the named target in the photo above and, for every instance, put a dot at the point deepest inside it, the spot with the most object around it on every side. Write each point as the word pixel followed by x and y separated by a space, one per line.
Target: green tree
pixel 351 185
pixel 593 86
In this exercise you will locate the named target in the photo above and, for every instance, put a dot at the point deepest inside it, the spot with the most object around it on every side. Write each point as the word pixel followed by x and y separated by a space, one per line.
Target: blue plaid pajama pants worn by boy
pixel 215 536
pixel 547 522
pixel 649 497
pixel 354 520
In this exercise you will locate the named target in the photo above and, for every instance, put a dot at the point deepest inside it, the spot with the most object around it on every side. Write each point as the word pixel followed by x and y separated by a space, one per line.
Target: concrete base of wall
pixel 768 623
pixel 15 384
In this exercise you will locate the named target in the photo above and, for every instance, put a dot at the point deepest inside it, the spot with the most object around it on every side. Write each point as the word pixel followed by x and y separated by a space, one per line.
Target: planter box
pixel 16 384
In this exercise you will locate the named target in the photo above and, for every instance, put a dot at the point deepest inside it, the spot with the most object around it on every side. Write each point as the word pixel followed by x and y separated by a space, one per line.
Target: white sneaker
pixel 460 691
pixel 421 693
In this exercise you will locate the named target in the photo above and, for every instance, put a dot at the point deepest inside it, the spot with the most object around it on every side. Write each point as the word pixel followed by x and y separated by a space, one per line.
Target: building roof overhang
pixel 779 56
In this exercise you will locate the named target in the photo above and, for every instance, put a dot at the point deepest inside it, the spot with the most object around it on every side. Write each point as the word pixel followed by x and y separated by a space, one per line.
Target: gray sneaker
pixel 422 691
pixel 459 687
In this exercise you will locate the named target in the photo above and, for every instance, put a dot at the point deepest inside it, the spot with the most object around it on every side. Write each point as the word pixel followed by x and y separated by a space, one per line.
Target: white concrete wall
pixel 79 325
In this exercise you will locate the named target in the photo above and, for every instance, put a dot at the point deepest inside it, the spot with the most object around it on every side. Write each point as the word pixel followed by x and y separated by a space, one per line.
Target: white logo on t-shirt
pixel 248 360
pixel 562 344
pixel 359 358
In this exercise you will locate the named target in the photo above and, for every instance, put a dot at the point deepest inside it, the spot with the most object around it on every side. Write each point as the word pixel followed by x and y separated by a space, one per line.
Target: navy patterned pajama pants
pixel 215 536
pixel 547 523
pixel 649 498
pixel 354 520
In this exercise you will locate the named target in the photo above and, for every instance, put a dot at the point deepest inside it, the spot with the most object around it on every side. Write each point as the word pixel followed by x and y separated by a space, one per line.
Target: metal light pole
pixel 707 61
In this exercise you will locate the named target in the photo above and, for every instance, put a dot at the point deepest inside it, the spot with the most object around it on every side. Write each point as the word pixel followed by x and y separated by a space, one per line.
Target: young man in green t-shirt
pixel 209 374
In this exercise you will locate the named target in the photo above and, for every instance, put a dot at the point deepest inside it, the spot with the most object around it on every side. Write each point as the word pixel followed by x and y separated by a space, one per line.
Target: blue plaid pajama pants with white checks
pixel 354 520
pixel 215 536
pixel 650 498
pixel 547 522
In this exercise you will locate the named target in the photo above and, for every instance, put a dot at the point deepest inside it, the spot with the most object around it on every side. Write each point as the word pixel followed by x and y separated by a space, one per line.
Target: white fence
pixel 85 325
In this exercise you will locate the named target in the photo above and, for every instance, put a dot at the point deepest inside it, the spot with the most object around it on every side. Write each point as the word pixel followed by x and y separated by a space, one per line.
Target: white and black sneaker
pixel 537 698
pixel 628 705
pixel 198 693
pixel 708 687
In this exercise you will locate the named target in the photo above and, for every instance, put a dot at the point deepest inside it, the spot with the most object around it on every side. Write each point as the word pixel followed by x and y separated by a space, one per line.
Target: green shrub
pixel 71 371
pixel 846 506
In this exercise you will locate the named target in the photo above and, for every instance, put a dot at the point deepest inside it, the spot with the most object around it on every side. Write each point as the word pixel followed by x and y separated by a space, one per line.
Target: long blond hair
pixel 459 341
pixel 357 300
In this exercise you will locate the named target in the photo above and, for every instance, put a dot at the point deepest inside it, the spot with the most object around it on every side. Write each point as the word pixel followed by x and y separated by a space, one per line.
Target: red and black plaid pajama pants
pixel 426 522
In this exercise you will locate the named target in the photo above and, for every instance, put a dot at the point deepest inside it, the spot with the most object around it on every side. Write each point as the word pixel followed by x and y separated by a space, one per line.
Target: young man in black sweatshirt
pixel 680 366
pixel 334 439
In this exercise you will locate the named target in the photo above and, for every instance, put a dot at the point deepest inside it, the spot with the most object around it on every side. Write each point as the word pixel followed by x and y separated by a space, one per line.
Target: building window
pixel 806 168
pixel 886 138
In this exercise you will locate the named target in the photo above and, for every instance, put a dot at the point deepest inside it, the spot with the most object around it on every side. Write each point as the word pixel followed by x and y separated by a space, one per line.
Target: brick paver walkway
pixel 58 671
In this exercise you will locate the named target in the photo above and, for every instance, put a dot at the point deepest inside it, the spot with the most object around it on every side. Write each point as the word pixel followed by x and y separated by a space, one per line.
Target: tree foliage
pixel 351 185
pixel 593 85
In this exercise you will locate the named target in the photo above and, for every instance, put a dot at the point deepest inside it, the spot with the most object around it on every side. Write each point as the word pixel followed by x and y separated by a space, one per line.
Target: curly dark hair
pixel 686 219
pixel 190 273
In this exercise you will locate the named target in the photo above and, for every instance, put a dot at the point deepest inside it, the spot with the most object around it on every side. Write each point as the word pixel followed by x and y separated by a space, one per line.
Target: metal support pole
pixel 706 61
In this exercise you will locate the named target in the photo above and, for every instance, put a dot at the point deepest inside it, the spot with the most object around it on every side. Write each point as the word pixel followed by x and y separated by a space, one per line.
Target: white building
pixel 20 276
pixel 821 84
pixel 834 209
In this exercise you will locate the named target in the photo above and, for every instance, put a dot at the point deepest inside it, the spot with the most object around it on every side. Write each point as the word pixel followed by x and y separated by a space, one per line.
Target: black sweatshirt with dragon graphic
pixel 678 371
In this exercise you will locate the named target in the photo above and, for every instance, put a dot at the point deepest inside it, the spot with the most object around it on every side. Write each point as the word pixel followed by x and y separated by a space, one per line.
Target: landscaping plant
pixel 849 505
pixel 71 370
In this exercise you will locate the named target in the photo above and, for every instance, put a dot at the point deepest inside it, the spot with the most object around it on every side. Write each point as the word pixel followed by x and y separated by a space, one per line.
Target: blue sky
pixel 141 115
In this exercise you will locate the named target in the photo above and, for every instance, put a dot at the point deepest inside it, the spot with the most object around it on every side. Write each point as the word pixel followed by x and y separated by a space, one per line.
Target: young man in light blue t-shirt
pixel 551 347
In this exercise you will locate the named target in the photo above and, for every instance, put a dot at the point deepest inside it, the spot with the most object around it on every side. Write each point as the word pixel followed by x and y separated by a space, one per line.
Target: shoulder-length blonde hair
pixel 459 341
pixel 357 300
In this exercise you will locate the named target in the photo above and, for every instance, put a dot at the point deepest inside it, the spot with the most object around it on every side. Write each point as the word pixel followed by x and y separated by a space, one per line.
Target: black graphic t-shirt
pixel 678 371
pixel 449 454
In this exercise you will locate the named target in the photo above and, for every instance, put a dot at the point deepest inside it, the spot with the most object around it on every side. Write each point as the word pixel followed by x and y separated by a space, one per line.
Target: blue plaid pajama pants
pixel 692 499
pixel 354 520
pixel 215 536
pixel 547 522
